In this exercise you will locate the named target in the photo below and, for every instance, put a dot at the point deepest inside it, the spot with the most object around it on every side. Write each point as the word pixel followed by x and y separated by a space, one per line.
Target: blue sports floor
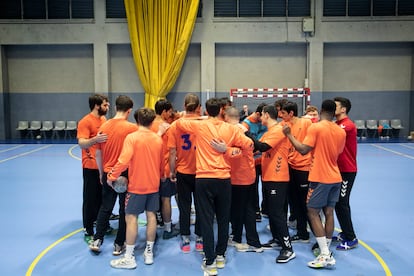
pixel 41 231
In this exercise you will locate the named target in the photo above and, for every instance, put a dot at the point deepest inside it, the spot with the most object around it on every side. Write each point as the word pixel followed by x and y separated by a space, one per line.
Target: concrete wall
pixel 49 69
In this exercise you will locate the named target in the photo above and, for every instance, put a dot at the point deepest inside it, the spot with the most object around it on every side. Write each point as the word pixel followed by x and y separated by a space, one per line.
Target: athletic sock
pixel 323 245
pixel 129 251
pixel 150 246
pixel 167 226
pixel 328 241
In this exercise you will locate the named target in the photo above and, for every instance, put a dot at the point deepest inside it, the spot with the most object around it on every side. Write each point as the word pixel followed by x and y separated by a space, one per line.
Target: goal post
pixel 252 97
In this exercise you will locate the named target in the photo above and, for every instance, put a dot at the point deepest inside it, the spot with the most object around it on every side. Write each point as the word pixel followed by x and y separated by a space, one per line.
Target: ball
pixel 121 184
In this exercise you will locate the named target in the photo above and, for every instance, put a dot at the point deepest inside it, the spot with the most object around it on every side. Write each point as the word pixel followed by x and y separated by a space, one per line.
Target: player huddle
pixel 219 162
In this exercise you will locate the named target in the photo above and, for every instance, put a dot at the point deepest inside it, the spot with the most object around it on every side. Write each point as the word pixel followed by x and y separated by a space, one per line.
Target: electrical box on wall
pixel 308 25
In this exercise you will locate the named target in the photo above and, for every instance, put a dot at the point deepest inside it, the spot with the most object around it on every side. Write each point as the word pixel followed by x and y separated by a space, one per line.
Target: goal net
pixel 252 97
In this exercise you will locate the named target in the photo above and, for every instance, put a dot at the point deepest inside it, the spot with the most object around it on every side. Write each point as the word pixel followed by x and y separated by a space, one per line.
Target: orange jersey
pixel 154 127
pixel 275 161
pixel 183 142
pixel 209 162
pixel 117 130
pixel 242 167
pixel 327 140
pixel 88 127
pixel 296 160
pixel 142 154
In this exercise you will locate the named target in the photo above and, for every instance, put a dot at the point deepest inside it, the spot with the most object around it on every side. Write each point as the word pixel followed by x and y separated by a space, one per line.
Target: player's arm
pixel 98 157
pixel 221 146
pixel 301 148
pixel 258 146
pixel 172 160
pixel 85 143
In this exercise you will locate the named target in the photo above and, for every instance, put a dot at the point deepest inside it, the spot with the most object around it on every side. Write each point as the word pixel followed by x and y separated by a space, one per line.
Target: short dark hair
pixel 96 99
pixel 280 103
pixel 123 103
pixel 225 101
pixel 144 116
pixel 271 110
pixel 162 105
pixel 213 106
pixel 344 103
pixel 328 106
pixel 290 106
pixel 259 108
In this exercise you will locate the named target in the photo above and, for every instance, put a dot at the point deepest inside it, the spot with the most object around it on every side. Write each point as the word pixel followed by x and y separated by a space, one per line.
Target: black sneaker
pixel 285 256
pixel 258 217
pixel 271 244
pixel 315 249
pixel 297 238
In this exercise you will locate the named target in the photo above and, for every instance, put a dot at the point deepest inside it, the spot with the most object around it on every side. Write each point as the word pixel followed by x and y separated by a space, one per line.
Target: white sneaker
pixel 209 269
pixel 148 258
pixel 323 261
pixel 220 261
pixel 244 247
pixel 124 262
pixel 95 246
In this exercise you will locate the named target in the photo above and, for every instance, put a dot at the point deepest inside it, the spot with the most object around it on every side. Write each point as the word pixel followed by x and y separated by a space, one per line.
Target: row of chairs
pixel 378 128
pixel 41 129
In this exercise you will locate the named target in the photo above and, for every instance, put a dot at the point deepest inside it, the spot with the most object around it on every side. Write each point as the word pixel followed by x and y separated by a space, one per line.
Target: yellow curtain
pixel 160 33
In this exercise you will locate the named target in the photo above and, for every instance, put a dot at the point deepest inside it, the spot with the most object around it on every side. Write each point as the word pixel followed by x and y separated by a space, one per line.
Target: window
pixel 46 9
pixel 116 9
pixel 368 7
pixel 58 9
pixel 261 8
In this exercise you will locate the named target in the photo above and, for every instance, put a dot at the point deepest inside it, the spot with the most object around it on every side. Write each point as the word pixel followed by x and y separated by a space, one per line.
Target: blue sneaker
pixel 339 238
pixel 347 245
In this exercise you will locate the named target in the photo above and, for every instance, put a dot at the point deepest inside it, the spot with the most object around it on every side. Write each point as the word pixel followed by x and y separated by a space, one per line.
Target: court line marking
pixel 37 259
pixel 406 146
pixel 375 254
pixel 393 151
pixel 25 153
pixel 50 247
pixel 12 148
pixel 70 152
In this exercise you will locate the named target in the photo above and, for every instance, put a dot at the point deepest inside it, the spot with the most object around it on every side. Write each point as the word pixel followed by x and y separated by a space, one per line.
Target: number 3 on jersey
pixel 186 142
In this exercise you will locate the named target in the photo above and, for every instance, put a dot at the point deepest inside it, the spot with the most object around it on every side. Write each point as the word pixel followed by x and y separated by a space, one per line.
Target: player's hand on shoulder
pixel 218 145
pixel 101 137
pixel 286 129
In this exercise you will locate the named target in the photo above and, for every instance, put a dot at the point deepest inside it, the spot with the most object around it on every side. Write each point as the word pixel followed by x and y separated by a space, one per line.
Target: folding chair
pixel 385 124
pixel 22 127
pixel 59 128
pixel 47 126
pixel 361 129
pixel 71 127
pixel 396 125
pixel 372 128
pixel 34 128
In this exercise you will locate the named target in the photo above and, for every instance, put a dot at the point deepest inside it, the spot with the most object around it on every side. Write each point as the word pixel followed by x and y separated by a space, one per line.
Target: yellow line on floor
pixel 378 257
pixel 375 254
pixel 37 259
